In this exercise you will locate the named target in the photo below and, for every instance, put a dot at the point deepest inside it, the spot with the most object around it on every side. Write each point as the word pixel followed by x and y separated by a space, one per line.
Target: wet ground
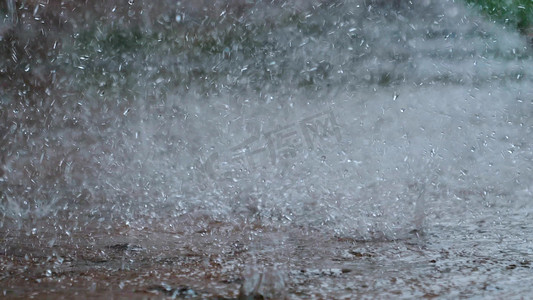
pixel 481 259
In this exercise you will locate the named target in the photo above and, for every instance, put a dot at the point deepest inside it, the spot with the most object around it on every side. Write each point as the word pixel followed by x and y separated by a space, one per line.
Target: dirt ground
pixel 230 263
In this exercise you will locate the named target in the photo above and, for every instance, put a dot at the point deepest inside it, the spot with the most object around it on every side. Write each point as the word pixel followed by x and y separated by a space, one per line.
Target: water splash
pixel 349 119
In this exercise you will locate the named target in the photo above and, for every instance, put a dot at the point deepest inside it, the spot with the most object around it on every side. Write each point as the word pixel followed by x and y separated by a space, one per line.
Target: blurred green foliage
pixel 517 13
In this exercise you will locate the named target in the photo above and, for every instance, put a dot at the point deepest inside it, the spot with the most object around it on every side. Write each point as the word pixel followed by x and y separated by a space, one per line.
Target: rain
pixel 253 149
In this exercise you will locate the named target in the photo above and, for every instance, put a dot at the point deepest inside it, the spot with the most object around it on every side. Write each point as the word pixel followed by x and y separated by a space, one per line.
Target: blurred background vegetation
pixel 515 13
pixel 53 44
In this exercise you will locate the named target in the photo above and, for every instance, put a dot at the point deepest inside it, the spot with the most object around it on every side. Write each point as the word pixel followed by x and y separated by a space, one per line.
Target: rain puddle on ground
pixel 345 149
